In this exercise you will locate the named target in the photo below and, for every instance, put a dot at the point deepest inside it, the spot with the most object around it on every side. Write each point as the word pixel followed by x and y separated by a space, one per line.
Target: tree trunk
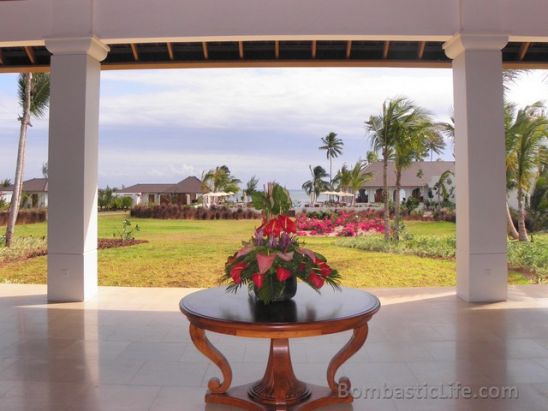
pixel 396 235
pixel 18 183
pixel 522 231
pixel 510 224
pixel 385 196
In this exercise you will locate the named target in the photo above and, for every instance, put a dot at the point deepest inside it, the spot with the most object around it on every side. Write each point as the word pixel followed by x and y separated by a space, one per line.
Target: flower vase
pixel 286 293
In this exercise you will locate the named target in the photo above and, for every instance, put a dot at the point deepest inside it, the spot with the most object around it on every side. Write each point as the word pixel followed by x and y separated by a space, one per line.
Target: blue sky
pixel 161 126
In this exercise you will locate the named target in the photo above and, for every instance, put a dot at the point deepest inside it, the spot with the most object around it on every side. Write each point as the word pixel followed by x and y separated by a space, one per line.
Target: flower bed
pixel 339 223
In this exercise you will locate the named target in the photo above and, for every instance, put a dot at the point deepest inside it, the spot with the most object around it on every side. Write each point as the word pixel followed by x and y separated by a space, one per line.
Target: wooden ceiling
pixel 321 53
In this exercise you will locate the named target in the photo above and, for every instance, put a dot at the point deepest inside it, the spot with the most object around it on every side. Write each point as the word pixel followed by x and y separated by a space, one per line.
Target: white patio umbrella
pixel 344 194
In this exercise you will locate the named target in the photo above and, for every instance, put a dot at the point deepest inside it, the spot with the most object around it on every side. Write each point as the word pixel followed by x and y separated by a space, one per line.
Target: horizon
pixel 162 126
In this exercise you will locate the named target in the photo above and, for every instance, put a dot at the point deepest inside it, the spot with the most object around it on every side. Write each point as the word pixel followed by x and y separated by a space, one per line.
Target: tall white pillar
pixel 72 172
pixel 479 168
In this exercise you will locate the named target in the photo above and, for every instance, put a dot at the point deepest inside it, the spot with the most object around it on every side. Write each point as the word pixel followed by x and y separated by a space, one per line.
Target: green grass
pixel 182 253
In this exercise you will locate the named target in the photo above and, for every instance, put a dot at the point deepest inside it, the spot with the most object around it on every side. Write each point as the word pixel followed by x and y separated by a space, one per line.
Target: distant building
pixel 184 192
pixel 35 189
pixel 417 181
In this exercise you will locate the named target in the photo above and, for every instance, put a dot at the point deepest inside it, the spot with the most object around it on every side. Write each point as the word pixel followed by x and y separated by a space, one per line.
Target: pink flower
pixel 265 262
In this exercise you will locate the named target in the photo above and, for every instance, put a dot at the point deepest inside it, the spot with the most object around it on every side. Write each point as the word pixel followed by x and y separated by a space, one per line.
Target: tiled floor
pixel 128 349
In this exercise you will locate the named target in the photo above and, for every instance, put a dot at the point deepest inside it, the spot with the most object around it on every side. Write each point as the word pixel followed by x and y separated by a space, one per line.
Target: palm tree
pixel 411 143
pixel 343 178
pixel 33 90
pixel 251 187
pixel 434 141
pixel 333 148
pixel 383 129
pixel 5 182
pixel 220 179
pixel 358 177
pixel 316 184
pixel 527 130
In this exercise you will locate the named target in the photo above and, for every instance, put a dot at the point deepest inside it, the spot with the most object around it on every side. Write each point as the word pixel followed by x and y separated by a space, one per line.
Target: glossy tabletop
pixel 307 310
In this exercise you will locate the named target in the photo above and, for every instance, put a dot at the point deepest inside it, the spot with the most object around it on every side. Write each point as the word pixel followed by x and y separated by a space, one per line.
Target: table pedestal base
pixel 239 397
pixel 279 389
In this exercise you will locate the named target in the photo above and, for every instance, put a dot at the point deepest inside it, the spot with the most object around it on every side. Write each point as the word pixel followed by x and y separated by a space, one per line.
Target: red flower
pixel 316 280
pixel 282 273
pixel 325 270
pixel 258 279
pixel 287 224
pixel 236 272
pixel 273 227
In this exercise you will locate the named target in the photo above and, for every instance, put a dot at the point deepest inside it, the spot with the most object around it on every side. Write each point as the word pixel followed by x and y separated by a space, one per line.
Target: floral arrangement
pixel 272 260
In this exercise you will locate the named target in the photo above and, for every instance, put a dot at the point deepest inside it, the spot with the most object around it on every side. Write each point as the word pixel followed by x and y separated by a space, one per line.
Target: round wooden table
pixel 307 314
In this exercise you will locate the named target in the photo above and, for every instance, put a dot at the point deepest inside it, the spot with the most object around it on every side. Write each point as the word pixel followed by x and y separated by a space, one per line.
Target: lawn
pixel 188 253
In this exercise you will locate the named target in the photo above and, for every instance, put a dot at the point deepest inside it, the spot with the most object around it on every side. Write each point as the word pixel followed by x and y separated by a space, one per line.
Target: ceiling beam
pixel 314 49
pixel 170 51
pixel 134 51
pixel 241 49
pixel 205 51
pixel 386 49
pixel 30 54
pixel 277 49
pixel 348 48
pixel 420 52
pixel 524 49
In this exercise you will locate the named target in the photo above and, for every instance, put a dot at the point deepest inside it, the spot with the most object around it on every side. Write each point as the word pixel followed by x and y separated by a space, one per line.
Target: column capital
pixel 461 42
pixel 91 46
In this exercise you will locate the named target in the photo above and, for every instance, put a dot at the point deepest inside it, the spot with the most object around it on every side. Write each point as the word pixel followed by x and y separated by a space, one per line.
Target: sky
pixel 160 126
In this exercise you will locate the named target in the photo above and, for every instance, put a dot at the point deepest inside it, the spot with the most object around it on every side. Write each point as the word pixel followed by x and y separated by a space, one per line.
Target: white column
pixel 480 169
pixel 73 152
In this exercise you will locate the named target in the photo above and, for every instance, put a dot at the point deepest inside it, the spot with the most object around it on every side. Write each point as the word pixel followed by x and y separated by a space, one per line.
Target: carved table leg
pixel 279 386
pixel 204 346
pixel 339 392
pixel 352 346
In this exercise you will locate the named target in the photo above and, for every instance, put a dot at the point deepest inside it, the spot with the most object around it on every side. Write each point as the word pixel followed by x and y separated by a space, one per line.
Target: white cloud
pixel 308 100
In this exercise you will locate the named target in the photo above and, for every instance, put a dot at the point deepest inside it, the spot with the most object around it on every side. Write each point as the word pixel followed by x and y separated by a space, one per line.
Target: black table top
pixel 308 306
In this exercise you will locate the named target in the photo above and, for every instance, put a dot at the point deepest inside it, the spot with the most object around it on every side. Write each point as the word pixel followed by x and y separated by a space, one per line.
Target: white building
pixel 184 192
pixel 35 193
pixel 418 180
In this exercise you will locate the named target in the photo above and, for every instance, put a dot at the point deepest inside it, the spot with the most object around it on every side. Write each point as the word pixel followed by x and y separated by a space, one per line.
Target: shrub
pixel 26 216
pixel 175 211
pixel 422 246
pixel 528 256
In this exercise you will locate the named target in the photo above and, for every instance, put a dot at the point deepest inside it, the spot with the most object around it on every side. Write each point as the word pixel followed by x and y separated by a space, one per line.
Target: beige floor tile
pixel 129 349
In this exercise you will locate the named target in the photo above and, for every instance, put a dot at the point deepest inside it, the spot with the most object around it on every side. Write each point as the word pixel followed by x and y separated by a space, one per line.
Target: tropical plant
pixel 416 136
pixel 251 187
pixel 441 187
pixel 127 231
pixel 333 148
pixel 397 115
pixel 33 91
pixel 316 184
pixel 220 179
pixel 5 182
pixel 526 133
pixel 343 178
pixel 275 200
pixel 358 177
